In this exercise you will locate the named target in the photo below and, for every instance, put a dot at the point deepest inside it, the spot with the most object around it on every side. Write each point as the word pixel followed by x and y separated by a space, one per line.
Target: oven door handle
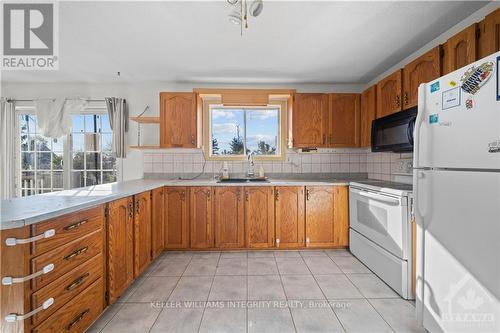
pixel 380 197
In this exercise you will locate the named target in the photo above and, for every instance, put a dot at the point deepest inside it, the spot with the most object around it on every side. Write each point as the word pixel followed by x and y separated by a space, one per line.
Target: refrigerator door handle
pixel 418 123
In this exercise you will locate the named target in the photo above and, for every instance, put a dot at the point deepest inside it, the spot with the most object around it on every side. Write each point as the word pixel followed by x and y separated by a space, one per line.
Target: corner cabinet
pixel 176 218
pixel 368 107
pixel 310 120
pixel 259 216
pixel 389 94
pixel 229 218
pixel 290 222
pixel 344 120
pixel 142 232
pixel 178 120
pixel 120 254
pixel 421 70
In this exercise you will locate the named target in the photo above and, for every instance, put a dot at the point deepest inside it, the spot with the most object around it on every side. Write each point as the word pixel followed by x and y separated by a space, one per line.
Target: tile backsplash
pixel 384 166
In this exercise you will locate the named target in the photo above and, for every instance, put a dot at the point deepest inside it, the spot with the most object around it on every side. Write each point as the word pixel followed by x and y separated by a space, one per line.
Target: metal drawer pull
pixel 9 280
pixel 15 241
pixel 13 317
pixel 77 282
pixel 75 225
pixel 76 253
pixel 77 319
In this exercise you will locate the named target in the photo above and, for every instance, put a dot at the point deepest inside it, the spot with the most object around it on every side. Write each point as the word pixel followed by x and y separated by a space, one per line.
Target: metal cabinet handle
pixel 130 210
pixel 76 253
pixel 192 139
pixel 15 241
pixel 277 242
pixel 77 282
pixel 406 100
pixel 183 195
pixel 324 138
pixel 238 195
pixel 277 195
pixel 137 207
pixel 308 194
pixel 13 317
pixel 9 280
pixel 75 225
pixel 208 195
pixel 398 101
pixel 77 319
pixel 246 195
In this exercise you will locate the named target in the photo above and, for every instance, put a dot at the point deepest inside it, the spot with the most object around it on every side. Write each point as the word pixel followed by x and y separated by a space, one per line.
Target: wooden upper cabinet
pixel 229 217
pixel 178 120
pixel 290 220
pixel 389 94
pixel 201 217
pixel 120 255
pixel 259 216
pixel 176 217
pixel 460 50
pixel 310 120
pixel 320 216
pixel 157 230
pixel 421 70
pixel 341 216
pixel 142 232
pixel 344 120
pixel 489 37
pixel 368 107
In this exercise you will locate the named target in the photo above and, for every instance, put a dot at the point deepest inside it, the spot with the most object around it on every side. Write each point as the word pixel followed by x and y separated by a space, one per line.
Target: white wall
pixel 139 95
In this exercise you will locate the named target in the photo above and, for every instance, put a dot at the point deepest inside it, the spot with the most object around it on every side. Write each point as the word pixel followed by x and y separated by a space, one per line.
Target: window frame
pixel 281 103
pixel 22 108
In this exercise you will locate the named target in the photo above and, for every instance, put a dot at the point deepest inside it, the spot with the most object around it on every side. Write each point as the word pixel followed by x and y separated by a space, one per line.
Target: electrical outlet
pixel 408 166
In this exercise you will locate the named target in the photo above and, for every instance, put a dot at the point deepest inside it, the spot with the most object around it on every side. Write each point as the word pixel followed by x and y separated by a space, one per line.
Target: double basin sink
pixel 243 180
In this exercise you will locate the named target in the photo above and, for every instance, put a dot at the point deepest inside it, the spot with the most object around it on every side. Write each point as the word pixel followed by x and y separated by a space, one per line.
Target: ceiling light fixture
pixel 240 16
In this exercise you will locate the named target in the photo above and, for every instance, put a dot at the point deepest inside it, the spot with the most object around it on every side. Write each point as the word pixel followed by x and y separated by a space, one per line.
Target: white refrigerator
pixel 456 184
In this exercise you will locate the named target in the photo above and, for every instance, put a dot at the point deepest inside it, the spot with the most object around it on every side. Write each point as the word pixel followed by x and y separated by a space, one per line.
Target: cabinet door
pixel 460 50
pixel 259 216
pixel 176 218
pixel 201 217
pixel 489 42
pixel 421 70
pixel 310 120
pixel 157 231
pixel 320 216
pixel 142 232
pixel 290 220
pixel 177 120
pixel 341 216
pixel 389 94
pixel 229 217
pixel 120 247
pixel 344 120
pixel 368 106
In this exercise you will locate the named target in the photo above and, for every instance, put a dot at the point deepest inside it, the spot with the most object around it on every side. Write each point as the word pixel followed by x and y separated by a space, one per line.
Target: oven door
pixel 382 218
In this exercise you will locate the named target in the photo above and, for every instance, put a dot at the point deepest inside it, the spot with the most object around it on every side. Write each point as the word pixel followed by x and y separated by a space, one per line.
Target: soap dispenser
pixel 225 171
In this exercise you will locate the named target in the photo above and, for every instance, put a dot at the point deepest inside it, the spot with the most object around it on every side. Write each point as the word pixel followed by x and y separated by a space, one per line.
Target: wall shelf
pixel 145 147
pixel 146 120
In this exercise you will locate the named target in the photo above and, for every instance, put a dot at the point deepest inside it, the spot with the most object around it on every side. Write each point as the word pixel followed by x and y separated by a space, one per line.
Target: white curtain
pixel 7 141
pixel 118 120
pixel 54 117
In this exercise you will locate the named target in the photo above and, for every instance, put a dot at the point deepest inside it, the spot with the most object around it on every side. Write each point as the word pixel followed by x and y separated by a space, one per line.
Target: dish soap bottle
pixel 261 172
pixel 225 171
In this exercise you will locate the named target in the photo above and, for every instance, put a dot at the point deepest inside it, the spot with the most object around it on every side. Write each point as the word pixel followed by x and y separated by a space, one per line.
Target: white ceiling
pixel 291 42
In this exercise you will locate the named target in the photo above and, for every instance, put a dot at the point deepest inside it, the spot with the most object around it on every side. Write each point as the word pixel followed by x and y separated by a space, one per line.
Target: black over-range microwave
pixel 394 132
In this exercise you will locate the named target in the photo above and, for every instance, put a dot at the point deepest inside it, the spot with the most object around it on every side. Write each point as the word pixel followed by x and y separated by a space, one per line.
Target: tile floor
pixel 258 291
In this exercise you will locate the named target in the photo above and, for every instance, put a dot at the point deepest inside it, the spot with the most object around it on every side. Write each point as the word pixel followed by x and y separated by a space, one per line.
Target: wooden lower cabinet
pixel 341 216
pixel 176 218
pixel 142 232
pixel 320 216
pixel 259 216
pixel 290 222
pixel 120 247
pixel 201 217
pixel 157 229
pixel 229 217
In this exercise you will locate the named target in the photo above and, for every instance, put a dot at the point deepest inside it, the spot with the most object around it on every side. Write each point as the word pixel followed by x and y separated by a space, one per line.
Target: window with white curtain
pixel 82 158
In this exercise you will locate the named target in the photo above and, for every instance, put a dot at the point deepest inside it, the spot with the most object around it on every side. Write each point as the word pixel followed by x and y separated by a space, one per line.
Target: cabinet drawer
pixel 66 257
pixel 67 228
pixel 78 314
pixel 67 287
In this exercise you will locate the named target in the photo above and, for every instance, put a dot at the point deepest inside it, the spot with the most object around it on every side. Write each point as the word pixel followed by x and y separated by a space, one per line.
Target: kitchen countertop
pixel 20 212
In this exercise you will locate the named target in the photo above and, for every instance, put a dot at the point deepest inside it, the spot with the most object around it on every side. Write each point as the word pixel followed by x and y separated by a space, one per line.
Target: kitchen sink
pixel 243 180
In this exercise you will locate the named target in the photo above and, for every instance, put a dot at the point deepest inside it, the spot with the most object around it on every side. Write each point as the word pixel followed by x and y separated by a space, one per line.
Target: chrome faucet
pixel 250 170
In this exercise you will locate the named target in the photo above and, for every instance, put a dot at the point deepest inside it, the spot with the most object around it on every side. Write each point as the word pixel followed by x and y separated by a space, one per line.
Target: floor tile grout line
pixel 170 294
pixel 370 303
pixel 120 305
pixel 208 295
